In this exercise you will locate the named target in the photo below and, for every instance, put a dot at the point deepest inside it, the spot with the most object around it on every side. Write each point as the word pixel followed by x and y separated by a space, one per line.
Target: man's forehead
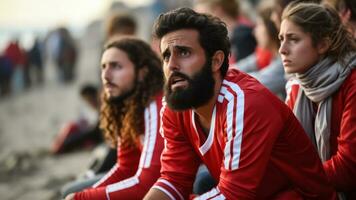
pixel 111 55
pixel 184 37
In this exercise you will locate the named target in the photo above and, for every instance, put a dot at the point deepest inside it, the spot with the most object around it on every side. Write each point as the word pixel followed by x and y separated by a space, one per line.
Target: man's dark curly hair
pixel 124 121
pixel 213 35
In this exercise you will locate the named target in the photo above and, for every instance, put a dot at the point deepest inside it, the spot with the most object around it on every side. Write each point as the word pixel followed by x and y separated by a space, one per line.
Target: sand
pixel 29 121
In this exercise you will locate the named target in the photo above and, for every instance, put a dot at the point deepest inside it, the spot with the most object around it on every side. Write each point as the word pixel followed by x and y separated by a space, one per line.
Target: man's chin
pixel 113 99
pixel 119 98
pixel 110 93
pixel 111 96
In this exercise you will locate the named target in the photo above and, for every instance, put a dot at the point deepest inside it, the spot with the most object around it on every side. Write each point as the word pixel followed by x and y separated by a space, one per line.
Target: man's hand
pixel 70 196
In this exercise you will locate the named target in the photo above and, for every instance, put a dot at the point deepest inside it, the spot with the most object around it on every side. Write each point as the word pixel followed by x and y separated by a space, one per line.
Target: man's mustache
pixel 177 74
pixel 108 83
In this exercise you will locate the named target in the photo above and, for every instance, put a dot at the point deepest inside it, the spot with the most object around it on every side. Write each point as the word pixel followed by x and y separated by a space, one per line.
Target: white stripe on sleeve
pixel 234 137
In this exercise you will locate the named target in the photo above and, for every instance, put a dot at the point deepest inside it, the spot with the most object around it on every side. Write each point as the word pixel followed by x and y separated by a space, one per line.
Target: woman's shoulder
pixel 348 87
pixel 351 79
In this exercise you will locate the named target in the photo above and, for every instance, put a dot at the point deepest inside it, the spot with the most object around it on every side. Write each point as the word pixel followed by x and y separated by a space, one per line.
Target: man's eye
pixel 165 57
pixel 184 53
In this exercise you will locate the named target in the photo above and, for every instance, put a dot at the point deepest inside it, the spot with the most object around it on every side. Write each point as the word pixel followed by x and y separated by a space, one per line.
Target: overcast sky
pixel 50 13
pixel 22 18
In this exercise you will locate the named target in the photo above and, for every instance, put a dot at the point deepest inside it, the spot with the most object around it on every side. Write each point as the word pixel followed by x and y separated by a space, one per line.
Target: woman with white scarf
pixel 321 54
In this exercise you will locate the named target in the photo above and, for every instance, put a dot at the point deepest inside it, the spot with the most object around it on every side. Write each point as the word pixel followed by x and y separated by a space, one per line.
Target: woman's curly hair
pixel 124 121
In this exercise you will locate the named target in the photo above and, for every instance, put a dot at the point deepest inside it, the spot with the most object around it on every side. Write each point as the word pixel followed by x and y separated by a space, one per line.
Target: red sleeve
pixel 138 184
pixel 341 168
pixel 179 160
pixel 126 166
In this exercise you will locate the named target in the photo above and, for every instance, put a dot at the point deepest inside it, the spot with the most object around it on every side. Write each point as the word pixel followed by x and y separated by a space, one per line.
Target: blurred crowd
pixel 22 68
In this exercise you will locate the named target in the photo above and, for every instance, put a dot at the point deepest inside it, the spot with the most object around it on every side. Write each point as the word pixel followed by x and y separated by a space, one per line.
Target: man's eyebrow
pixel 113 63
pixel 183 48
pixel 178 47
pixel 110 63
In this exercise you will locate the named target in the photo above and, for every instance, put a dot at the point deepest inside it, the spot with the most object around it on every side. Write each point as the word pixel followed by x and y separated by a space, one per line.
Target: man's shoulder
pixel 244 82
pixel 249 94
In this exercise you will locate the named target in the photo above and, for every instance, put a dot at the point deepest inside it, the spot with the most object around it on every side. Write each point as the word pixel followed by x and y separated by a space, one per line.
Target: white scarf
pixel 318 85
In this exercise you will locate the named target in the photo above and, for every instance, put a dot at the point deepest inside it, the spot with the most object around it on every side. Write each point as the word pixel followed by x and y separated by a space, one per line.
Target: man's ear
pixel 217 60
pixel 142 73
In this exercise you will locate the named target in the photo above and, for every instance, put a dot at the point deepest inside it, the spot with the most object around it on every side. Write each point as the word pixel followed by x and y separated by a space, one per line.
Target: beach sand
pixel 30 120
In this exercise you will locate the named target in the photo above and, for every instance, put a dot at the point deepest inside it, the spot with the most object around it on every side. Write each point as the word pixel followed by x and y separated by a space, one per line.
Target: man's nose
pixel 105 73
pixel 173 63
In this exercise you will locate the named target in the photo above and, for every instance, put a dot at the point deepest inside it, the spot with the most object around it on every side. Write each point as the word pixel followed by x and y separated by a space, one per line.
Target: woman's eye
pixel 116 66
pixel 294 39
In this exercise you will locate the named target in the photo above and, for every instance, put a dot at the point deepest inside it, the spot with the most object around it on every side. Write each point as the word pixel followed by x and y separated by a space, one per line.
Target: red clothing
pixel 136 169
pixel 263 57
pixel 341 168
pixel 256 149
pixel 15 54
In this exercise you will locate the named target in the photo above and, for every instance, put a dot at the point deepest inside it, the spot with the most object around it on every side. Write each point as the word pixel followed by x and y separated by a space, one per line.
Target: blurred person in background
pixel 243 43
pixel 265 63
pixel 82 132
pixel 347 12
pixel 6 71
pixel 120 24
pixel 35 61
pixel 321 53
pixel 65 54
pixel 132 96
pixel 18 59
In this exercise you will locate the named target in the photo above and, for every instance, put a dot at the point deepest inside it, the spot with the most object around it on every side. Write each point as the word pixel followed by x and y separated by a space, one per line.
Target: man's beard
pixel 120 99
pixel 199 91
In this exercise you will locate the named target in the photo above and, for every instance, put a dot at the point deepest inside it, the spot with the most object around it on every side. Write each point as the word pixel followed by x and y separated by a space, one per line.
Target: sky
pixel 50 13
pixel 21 16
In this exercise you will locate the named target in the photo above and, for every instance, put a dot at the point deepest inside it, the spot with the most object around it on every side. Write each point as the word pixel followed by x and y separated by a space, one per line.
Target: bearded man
pixel 132 80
